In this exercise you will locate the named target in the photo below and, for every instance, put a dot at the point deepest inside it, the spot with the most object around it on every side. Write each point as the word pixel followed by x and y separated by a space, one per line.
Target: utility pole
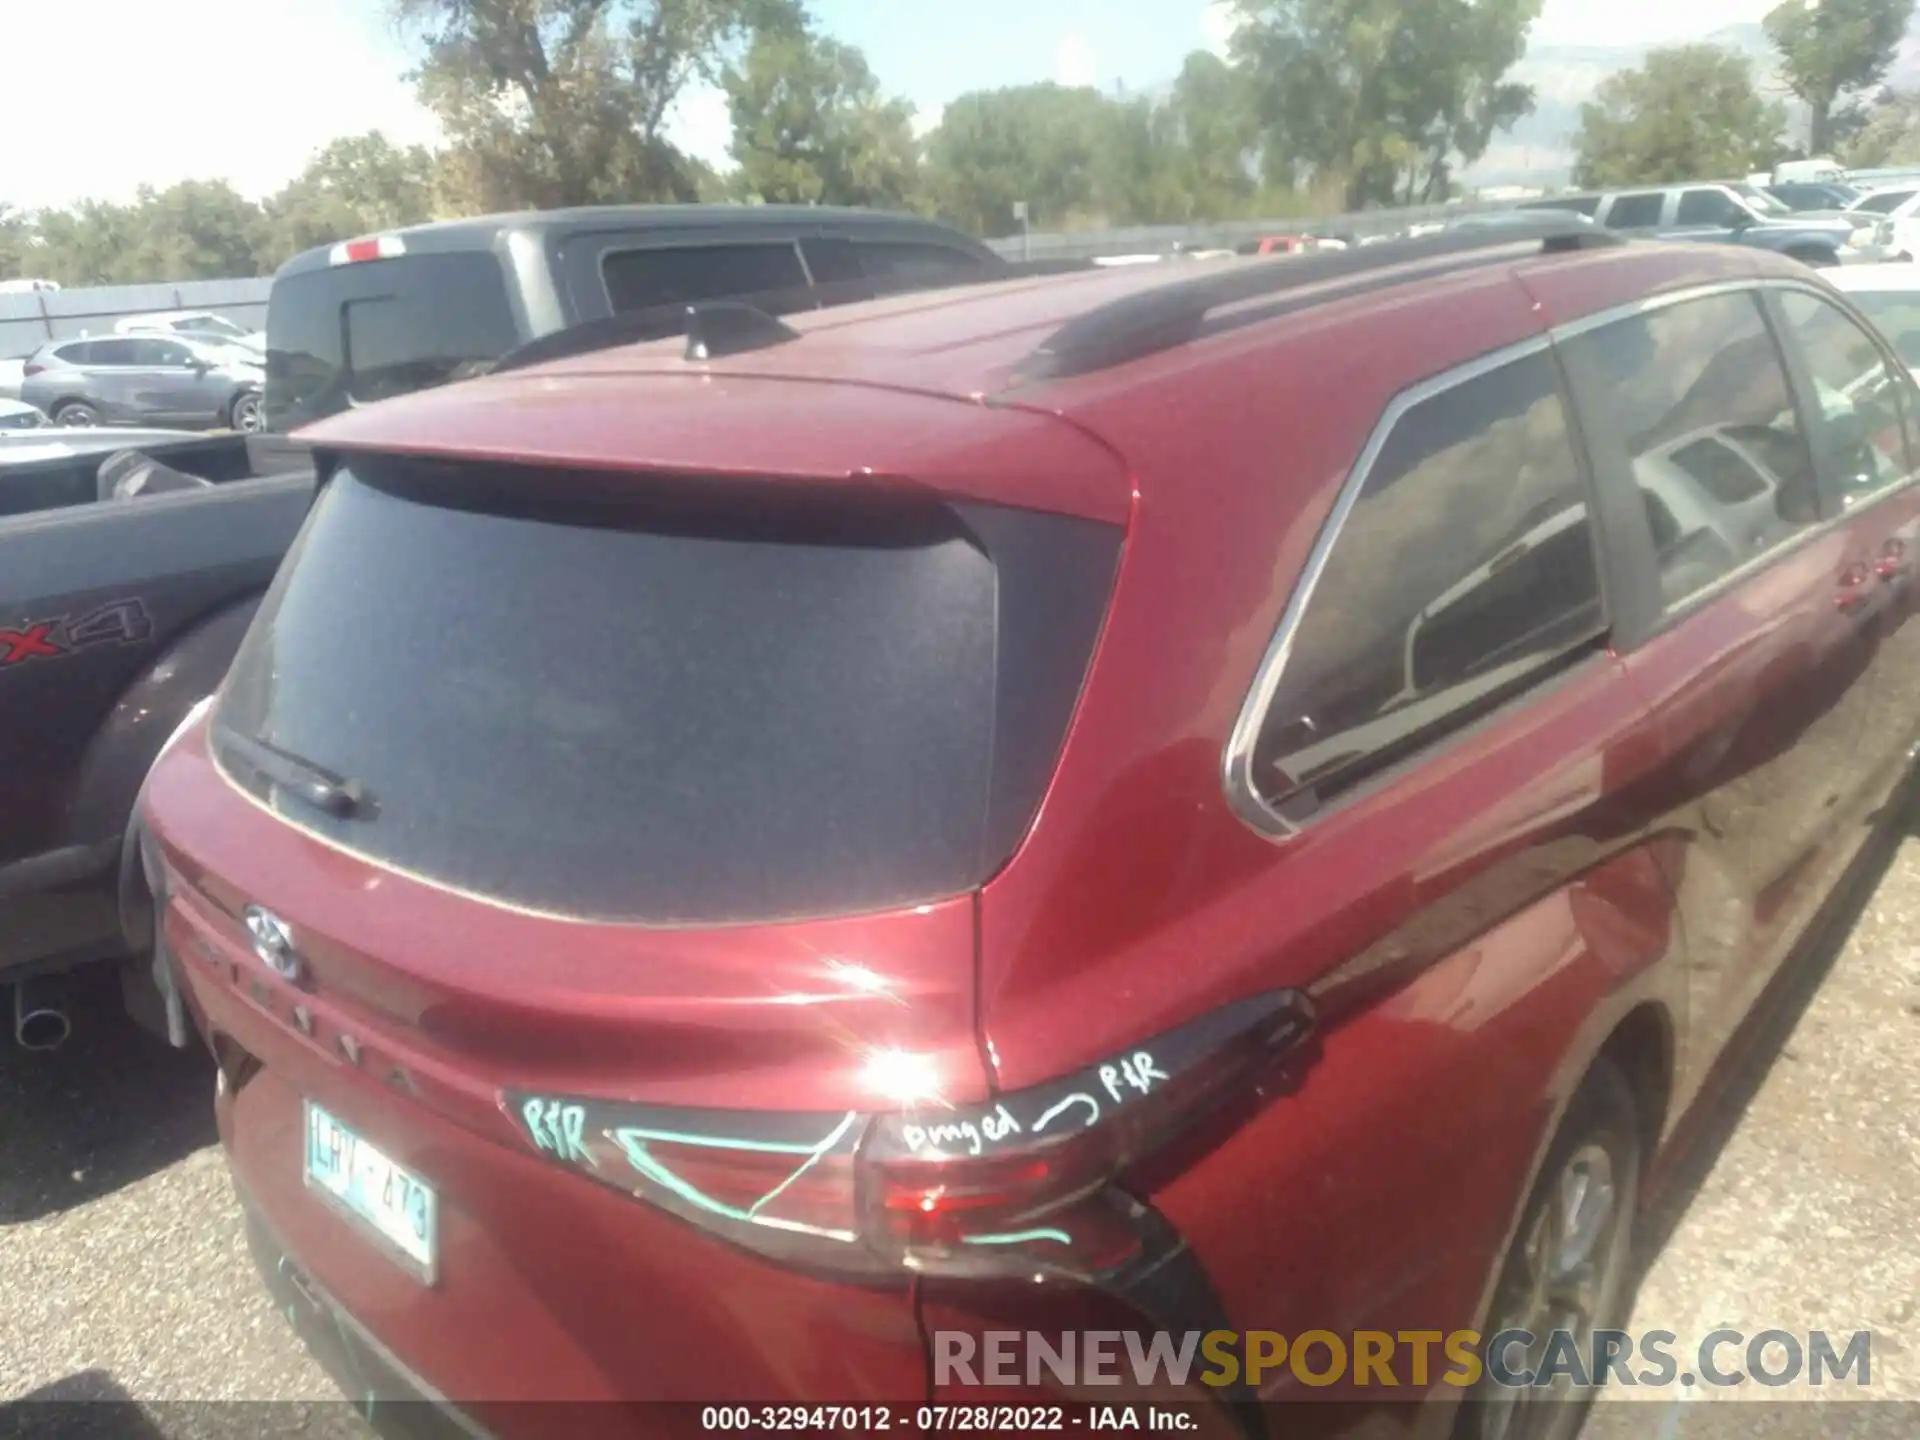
pixel 1026 229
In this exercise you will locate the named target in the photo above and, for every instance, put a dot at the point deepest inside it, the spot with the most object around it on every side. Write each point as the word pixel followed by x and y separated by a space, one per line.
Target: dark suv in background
pixel 380 316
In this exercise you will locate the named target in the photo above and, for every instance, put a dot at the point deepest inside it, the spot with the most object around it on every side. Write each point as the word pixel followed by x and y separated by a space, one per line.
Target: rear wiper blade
pixel 332 794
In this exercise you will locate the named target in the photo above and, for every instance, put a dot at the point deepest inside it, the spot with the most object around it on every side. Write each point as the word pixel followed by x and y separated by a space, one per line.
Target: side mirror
pixel 1740 219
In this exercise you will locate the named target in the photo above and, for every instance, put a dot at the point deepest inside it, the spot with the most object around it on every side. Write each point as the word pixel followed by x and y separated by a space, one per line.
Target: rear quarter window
pixel 1463 571
pixel 353 334
pixel 911 260
pixel 685 274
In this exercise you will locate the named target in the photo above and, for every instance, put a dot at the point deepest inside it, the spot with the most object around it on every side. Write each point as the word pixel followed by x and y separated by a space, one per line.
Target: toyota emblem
pixel 273 942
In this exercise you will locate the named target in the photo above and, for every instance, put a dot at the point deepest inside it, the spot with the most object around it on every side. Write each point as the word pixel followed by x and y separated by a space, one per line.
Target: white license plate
pixel 372 1190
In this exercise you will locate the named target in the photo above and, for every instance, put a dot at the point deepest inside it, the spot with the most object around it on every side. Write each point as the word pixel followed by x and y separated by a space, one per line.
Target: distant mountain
pixel 1539 150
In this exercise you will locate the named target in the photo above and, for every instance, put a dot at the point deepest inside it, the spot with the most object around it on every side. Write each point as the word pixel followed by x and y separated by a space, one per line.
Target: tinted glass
pixel 365 332
pixel 117 352
pixel 1698 393
pixel 830 260
pixel 642 279
pixel 165 352
pixel 1859 393
pixel 691 705
pixel 1886 202
pixel 1720 470
pixel 916 262
pixel 1706 207
pixel 1635 212
pixel 80 352
pixel 1896 313
pixel 1759 201
pixel 1465 567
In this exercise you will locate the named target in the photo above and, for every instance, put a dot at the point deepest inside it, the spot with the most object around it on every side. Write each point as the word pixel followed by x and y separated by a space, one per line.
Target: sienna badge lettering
pixel 272 942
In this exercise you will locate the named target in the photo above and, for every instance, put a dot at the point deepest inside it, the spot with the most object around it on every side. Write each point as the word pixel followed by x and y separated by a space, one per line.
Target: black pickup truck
pixel 131 563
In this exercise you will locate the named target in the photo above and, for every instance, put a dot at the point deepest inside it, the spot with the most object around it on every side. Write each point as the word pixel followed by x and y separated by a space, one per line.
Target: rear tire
pixel 1569 1269
pixel 76 414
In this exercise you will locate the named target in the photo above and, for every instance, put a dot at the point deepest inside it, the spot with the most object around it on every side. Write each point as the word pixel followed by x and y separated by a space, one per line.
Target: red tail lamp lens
pixel 1017 1185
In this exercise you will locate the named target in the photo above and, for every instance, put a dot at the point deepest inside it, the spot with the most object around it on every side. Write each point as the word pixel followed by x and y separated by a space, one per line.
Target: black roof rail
pixel 1169 315
pixel 658 322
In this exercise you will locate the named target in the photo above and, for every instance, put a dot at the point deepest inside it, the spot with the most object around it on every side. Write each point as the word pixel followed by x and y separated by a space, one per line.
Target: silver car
pixel 145 380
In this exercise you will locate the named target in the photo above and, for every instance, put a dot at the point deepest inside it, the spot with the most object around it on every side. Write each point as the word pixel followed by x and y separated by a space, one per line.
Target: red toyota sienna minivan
pixel 1243 797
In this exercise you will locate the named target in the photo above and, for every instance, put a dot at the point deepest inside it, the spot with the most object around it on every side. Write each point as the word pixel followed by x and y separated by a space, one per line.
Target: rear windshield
pixel 705 704
pixel 352 334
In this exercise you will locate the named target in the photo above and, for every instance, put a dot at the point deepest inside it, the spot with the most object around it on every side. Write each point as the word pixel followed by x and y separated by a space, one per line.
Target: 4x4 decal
pixel 123 622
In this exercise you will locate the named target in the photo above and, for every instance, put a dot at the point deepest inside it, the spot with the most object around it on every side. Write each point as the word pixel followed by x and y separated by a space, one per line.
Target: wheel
pixel 246 414
pixel 76 413
pixel 1568 1270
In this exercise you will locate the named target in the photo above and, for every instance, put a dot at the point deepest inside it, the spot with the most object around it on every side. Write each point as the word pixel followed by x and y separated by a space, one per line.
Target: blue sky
pixel 333 67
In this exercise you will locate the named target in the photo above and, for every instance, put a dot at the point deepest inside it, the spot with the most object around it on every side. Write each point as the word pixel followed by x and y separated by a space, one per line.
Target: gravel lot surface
pixel 126 1274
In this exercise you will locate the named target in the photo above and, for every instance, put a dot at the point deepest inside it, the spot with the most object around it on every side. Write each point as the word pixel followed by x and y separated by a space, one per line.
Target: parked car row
pixel 182 368
pixel 146 379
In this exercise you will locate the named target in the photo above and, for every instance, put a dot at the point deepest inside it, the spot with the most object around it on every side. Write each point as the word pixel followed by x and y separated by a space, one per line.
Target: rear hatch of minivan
pixel 650 805
pixel 658 745
pixel 677 703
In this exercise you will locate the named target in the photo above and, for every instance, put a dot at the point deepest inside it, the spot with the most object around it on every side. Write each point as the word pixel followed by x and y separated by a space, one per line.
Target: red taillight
pixel 30 368
pixel 1018 1185
pixel 372 247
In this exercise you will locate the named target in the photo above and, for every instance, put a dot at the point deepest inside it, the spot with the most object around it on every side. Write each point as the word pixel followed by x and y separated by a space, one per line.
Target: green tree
pixel 1833 48
pixel 1689 113
pixel 1032 143
pixel 195 230
pixel 1372 100
pixel 1210 129
pixel 810 125
pixel 565 102
pixel 355 185
pixel 1889 134
pixel 17 238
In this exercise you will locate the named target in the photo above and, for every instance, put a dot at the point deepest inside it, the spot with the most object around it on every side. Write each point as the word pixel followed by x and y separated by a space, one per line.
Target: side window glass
pixel 910 261
pixel 830 259
pixel 681 275
pixel 1464 571
pixel 116 352
pixel 1635 212
pixel 1706 207
pixel 1858 395
pixel 1699 394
